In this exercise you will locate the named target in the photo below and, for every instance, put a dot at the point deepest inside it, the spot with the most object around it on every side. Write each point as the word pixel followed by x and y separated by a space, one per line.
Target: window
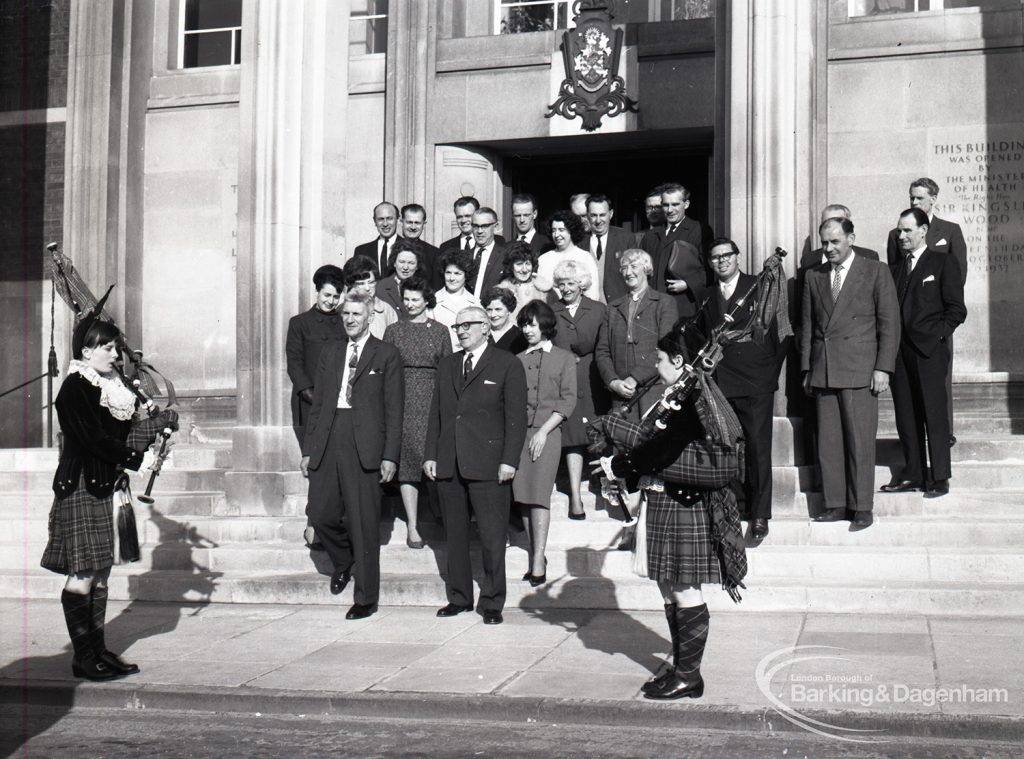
pixel 211 33
pixel 882 7
pixel 680 10
pixel 368 28
pixel 518 16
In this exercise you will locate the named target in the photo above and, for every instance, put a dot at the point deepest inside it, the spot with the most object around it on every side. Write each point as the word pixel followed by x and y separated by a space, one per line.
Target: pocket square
pixel 374 371
pixel 929 278
pixel 488 382
pixel 941 242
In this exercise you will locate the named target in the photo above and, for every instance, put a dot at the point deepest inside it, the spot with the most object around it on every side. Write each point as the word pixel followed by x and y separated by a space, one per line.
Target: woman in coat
pixel 550 399
pixel 578 320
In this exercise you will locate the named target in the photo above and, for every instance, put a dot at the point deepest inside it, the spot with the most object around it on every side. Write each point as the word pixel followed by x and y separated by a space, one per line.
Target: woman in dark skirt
pixel 97 413
pixel 693 528
pixel 550 398
pixel 579 320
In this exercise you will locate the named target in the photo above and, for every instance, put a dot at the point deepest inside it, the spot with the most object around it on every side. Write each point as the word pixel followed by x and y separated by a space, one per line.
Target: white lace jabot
pixel 113 394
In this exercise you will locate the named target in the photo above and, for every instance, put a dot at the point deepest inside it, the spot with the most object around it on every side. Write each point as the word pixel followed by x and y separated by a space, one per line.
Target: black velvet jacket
pixel 95 443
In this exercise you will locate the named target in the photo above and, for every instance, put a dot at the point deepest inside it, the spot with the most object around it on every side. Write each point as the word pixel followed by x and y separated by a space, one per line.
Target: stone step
pixel 763 594
pixel 967 476
pixel 193 502
pixel 183 456
pixel 169 479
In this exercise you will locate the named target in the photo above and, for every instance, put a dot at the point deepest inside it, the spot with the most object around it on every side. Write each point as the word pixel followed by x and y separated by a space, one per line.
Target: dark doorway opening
pixel 625 176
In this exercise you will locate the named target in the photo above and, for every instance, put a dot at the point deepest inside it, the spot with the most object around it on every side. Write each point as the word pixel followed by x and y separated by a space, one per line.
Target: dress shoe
pixel 414 543
pixel 678 685
pixel 658 681
pixel 93 668
pixel 452 609
pixel 952 440
pixel 361 611
pixel 937 489
pixel 118 664
pixel 831 515
pixel 492 617
pixel 528 576
pixel 578 517
pixel 900 486
pixel 759 529
pixel 340 580
pixel 861 521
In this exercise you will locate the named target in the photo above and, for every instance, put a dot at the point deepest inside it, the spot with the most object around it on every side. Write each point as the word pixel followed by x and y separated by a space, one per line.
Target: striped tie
pixel 836 282
pixel 353 361
pixel 467 368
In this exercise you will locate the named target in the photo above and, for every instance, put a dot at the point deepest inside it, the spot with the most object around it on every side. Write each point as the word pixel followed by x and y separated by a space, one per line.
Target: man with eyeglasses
pixel 475 434
pixel 748 376
pixel 488 253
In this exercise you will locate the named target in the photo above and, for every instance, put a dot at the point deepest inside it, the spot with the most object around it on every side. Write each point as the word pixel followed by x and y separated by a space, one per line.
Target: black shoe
pixel 492 617
pixel 577 517
pixel 658 681
pixel 361 611
pixel 831 515
pixel 678 685
pixel 952 440
pixel 93 669
pixel 528 577
pixel 759 529
pixel 118 664
pixel 340 580
pixel 900 486
pixel 937 489
pixel 452 609
pixel 861 521
pixel 537 580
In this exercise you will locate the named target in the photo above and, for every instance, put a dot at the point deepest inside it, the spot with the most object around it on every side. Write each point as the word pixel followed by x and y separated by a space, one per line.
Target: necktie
pixel 383 258
pixel 353 361
pixel 904 281
pixel 671 229
pixel 522 238
pixel 469 244
pixel 467 367
pixel 600 249
pixel 836 282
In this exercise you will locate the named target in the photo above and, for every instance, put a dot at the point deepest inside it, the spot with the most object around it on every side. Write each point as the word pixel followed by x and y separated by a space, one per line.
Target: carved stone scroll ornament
pixel 592 87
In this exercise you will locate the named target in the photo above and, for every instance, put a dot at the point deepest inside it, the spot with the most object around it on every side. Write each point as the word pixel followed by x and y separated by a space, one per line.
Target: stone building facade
pixel 210 176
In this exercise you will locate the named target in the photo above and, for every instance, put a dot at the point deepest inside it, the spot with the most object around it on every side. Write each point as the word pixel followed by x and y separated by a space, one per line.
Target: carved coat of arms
pixel 592 87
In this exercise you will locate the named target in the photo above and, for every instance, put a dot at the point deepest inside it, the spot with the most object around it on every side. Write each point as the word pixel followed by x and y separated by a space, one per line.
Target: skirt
pixel 81 530
pixel 535 480
pixel 680 548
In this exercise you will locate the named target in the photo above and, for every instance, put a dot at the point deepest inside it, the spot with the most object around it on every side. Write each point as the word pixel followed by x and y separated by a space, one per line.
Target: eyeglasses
pixel 463 326
pixel 723 257
pixel 483 226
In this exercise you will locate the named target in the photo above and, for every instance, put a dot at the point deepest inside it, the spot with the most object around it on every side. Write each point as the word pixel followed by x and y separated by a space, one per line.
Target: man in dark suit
pixel 848 351
pixel 748 377
pixel 652 209
pixel 488 253
pixel 688 282
pixel 352 444
pixel 414 219
pixel 475 436
pixel 464 209
pixel 606 244
pixel 385 218
pixel 930 289
pixel 944 237
pixel 524 216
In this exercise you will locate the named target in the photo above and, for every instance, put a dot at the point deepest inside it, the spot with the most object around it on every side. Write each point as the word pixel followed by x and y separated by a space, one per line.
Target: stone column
pixel 770 126
pixel 408 82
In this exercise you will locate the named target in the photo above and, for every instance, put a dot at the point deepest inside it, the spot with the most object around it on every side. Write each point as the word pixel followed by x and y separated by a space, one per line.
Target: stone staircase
pixel 218 535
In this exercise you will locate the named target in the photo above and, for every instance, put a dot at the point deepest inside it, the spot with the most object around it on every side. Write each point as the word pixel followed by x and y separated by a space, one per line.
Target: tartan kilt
pixel 81 531
pixel 680 547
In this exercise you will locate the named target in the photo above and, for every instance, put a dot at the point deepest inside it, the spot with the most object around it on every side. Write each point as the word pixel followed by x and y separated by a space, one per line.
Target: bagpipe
pixel 135 372
pixel 765 299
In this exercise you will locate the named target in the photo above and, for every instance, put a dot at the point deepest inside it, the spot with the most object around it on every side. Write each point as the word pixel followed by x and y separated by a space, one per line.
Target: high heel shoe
pixel 538 580
pixel 581 515
pixel 528 577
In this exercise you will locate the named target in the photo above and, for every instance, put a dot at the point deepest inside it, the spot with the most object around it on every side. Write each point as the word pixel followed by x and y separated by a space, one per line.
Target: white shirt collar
pixel 543 345
pixel 917 253
pixel 528 235
pixel 476 353
pixel 360 343
pixel 731 282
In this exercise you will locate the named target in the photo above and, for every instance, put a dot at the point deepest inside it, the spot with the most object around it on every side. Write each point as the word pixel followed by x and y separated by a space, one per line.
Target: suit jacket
pixel 933 306
pixel 556 387
pixel 617 356
pixel 747 368
pixel 539 244
pixel 809 260
pixel 512 341
pixel 943 237
pixel 579 335
pixel 492 275
pixel 658 243
pixel 456 242
pixel 388 291
pixel 617 242
pixel 308 334
pixel 369 250
pixel 842 343
pixel 378 395
pixel 480 423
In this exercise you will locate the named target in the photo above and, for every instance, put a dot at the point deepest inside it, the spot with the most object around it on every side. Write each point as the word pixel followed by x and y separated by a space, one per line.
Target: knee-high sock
pixel 78 616
pixel 98 617
pixel 693 623
pixel 673 629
